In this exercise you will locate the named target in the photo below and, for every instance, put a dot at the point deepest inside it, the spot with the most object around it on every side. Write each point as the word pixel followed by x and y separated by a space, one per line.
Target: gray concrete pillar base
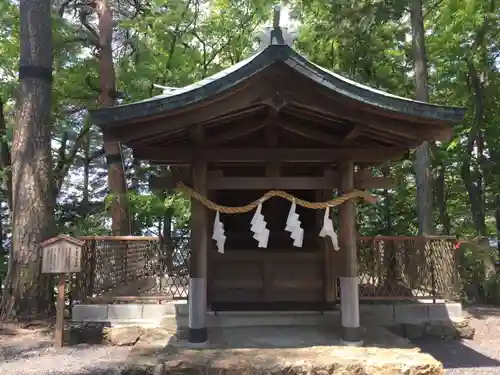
pixel 197 335
pixel 351 334
pixel 197 305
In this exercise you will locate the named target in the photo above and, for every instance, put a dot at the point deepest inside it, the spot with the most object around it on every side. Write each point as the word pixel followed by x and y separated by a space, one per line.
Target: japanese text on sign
pixel 61 257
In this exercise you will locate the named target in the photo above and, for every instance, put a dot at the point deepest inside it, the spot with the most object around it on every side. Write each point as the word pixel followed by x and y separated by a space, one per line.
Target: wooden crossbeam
pixel 291 155
pixel 353 134
pixel 241 99
pixel 216 181
pixel 306 132
pixel 238 132
pixel 388 125
pixel 294 183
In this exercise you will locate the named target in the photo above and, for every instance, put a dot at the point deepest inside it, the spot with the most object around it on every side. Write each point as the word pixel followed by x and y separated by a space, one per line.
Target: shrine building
pixel 274 121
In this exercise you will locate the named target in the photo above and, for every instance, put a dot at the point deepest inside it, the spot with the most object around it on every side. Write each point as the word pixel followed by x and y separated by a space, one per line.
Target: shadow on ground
pixel 24 350
pixel 483 312
pixel 456 354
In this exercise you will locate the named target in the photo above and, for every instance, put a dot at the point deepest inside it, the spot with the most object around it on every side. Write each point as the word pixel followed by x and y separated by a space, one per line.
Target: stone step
pixel 257 318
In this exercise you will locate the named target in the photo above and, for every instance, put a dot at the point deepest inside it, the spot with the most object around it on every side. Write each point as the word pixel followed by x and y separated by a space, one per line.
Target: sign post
pixel 62 255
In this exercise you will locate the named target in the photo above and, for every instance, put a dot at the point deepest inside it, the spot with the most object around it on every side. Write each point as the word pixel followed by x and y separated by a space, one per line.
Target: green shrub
pixel 479 280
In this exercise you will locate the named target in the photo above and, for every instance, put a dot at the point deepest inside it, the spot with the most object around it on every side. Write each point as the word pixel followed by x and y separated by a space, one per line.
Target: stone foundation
pixel 282 350
pixel 151 315
pixel 313 361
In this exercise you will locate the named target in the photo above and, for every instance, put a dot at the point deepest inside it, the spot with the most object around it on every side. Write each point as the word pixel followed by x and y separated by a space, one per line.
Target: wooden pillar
pixel 328 251
pixel 198 264
pixel 349 293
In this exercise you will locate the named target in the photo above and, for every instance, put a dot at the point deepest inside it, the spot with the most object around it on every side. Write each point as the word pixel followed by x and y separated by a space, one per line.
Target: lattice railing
pixel 132 266
pixel 390 268
pixel 407 268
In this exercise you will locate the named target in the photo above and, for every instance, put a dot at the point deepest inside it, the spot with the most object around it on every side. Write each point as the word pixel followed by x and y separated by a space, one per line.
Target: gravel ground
pixel 30 352
pixel 480 356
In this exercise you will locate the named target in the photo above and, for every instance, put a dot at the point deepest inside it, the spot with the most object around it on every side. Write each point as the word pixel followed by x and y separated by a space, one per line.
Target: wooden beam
pixel 237 132
pixel 167 135
pixel 290 155
pixel 294 183
pixel 169 182
pixel 241 98
pixel 236 115
pixel 217 181
pixel 347 112
pixel 331 256
pixel 275 102
pixel 302 92
pixel 349 284
pixel 310 133
pixel 199 251
pixel 353 134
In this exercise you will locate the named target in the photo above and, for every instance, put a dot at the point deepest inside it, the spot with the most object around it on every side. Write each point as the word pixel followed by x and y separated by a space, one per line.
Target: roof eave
pixel 230 77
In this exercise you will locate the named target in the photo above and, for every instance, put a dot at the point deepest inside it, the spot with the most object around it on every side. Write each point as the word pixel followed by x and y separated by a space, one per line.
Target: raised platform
pixel 176 313
pixel 279 350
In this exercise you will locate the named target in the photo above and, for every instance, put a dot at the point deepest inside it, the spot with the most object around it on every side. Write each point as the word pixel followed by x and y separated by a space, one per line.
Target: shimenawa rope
pixel 274 193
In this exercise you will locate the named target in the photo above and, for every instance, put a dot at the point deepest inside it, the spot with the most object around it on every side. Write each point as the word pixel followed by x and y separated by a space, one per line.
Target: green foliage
pixel 479 279
pixel 149 209
pixel 177 42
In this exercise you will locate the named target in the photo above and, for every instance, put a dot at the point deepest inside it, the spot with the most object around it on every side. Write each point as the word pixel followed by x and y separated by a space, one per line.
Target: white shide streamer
pixel 218 234
pixel 258 227
pixel 293 226
pixel 328 230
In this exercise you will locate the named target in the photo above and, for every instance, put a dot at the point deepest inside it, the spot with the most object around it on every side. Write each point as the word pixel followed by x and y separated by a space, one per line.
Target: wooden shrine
pixel 274 121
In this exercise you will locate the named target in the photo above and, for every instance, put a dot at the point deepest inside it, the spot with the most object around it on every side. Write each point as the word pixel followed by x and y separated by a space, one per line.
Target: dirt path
pixel 30 352
pixel 480 356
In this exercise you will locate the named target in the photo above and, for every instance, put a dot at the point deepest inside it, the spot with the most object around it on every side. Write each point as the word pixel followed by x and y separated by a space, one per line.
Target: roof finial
pixel 276 15
pixel 276 34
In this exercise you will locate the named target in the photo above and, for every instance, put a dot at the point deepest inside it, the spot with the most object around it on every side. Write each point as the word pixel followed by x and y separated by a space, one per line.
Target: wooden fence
pixel 401 268
pixel 390 268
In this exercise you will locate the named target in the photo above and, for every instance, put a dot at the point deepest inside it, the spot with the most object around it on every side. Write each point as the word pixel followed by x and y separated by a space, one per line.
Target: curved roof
pixel 230 77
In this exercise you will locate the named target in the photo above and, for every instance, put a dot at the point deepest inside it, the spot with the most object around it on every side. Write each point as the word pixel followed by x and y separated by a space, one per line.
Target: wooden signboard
pixel 61 255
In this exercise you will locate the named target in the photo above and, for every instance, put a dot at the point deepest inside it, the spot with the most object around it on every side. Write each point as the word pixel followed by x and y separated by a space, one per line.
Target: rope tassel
pixel 328 230
pixel 274 193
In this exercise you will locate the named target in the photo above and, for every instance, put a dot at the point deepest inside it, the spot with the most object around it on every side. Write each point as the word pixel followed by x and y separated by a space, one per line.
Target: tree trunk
pixel 168 244
pixel 5 158
pixel 134 187
pixel 5 165
pixel 440 191
pixel 472 178
pixel 167 247
pixel 116 174
pixel 441 199
pixel 32 212
pixel 497 222
pixel 423 173
pixel 389 258
pixel 86 175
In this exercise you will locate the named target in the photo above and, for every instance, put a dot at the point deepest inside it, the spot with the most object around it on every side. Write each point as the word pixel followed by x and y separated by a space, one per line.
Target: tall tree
pixel 32 201
pixel 116 174
pixel 423 173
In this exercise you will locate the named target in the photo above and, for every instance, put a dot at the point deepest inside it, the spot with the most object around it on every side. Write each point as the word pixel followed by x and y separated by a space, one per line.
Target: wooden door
pixel 263 279
pixel 278 277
